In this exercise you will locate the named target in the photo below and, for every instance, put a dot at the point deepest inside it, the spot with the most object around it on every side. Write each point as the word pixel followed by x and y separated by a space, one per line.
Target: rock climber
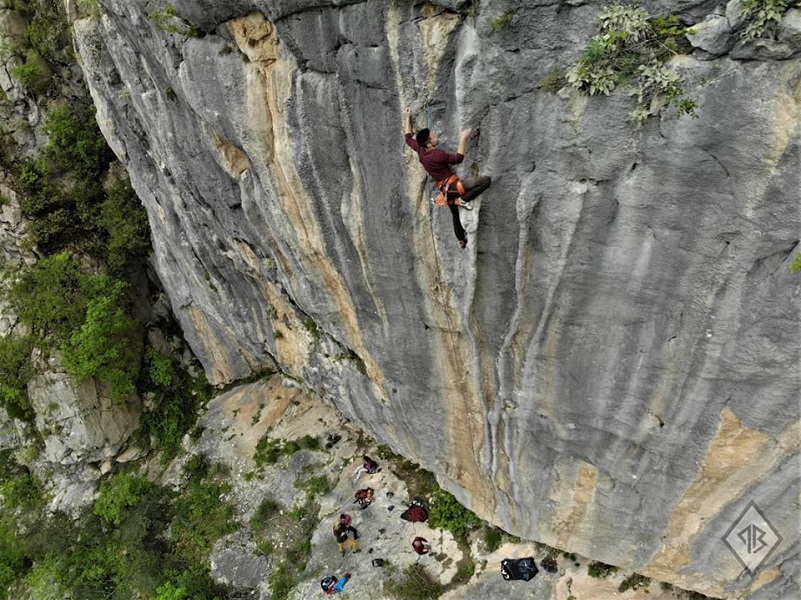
pixel 341 530
pixel 436 162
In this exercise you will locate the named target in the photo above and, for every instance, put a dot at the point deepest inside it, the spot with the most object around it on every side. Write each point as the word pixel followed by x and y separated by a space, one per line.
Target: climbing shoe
pixel 467 205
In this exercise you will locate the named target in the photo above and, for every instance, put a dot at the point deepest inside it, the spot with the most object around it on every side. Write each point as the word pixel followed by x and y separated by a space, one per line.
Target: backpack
pixel 519 568
pixel 327 583
pixel 416 513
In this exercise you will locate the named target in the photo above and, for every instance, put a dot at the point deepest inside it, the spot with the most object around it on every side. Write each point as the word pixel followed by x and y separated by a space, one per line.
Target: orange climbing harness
pixel 450 190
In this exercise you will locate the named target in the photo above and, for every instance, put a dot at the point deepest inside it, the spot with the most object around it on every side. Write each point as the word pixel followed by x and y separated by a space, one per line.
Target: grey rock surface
pixel 610 367
pixel 80 422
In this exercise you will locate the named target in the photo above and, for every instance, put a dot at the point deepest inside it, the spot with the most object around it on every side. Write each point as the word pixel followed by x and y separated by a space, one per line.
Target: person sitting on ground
pixel 368 466
pixel 341 531
pixel 340 585
pixel 421 545
pixel 437 163
pixel 364 497
pixel 333 584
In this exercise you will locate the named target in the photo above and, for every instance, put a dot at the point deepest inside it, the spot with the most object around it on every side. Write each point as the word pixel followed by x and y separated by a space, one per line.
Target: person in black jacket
pixel 342 529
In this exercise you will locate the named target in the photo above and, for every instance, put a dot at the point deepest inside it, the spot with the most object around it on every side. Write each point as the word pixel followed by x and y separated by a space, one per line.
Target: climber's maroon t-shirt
pixel 435 161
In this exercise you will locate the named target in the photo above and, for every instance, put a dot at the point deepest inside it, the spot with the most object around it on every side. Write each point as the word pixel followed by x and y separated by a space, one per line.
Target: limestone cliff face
pixel 610 367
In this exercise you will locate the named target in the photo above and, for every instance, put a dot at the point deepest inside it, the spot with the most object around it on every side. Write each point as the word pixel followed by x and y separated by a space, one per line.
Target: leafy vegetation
pixel 447 513
pixel 175 405
pixel 762 17
pixel 600 570
pixel 493 538
pixel 141 540
pixel 795 266
pixel 15 373
pixel 288 541
pixel 634 581
pixel 499 23
pixel 270 450
pixel 106 346
pixel 414 583
pixel 83 316
pixel 168 20
pixel 631 47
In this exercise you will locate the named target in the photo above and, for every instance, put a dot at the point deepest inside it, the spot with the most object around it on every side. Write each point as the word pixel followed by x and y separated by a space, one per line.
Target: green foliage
pixel 12 558
pixel 201 516
pixel 121 549
pixel 90 7
pixel 51 297
pixel 317 485
pixel 29 72
pixel 309 442
pixel 107 344
pixel 125 220
pixel 420 483
pixel 15 373
pixel 795 266
pixel 48 31
pixel 64 196
pixel 350 355
pixel 414 583
pixel 160 368
pixel 168 20
pixel 762 16
pixel 268 509
pixel 313 328
pixel 631 47
pixel 270 450
pixel 447 513
pixel 493 538
pixel 118 494
pixel 283 580
pixel 600 570
pixel 83 315
pixel 499 23
pixel 171 591
pixel 553 81
pixel 174 412
pixel 634 581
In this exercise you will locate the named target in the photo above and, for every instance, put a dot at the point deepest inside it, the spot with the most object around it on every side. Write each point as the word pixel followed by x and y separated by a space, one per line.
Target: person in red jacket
pixel 421 545
pixel 437 164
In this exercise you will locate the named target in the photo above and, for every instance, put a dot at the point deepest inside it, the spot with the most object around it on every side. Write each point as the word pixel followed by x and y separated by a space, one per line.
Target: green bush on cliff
pixel 795 266
pixel 82 315
pixel 762 16
pixel 15 373
pixel 106 346
pixel 414 583
pixel 119 494
pixel 631 47
pixel 447 513
pixel 600 570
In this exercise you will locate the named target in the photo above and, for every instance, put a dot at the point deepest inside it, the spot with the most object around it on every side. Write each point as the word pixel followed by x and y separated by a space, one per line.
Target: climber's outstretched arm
pixel 407 120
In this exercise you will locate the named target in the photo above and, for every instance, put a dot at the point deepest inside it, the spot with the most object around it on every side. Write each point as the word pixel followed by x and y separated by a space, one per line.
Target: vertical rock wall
pixel 610 367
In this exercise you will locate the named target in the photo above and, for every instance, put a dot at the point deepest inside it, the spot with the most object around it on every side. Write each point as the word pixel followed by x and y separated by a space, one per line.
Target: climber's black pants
pixel 472 189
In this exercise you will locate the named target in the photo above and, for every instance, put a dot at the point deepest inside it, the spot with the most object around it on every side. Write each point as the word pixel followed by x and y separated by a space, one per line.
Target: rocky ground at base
pixel 308 466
